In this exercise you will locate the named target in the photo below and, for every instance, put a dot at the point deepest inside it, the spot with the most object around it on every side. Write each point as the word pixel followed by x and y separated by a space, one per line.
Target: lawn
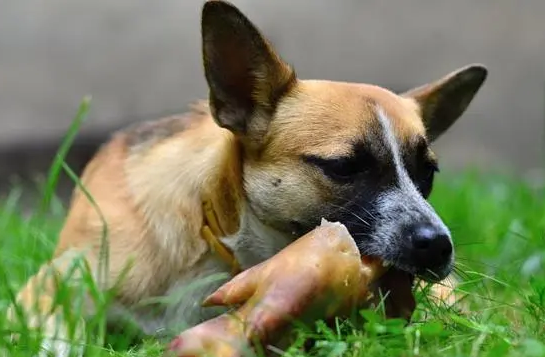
pixel 498 224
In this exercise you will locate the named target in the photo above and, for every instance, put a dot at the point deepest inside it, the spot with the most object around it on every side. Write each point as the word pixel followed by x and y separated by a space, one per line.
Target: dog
pixel 241 175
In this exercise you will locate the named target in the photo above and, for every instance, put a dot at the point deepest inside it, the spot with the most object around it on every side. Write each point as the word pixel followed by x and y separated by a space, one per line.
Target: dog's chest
pixel 256 242
pixel 180 306
pixel 185 296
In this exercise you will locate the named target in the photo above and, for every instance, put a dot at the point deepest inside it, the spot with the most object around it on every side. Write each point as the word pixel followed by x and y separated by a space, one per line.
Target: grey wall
pixel 141 58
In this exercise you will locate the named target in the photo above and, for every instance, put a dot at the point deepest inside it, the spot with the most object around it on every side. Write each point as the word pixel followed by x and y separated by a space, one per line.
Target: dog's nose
pixel 432 246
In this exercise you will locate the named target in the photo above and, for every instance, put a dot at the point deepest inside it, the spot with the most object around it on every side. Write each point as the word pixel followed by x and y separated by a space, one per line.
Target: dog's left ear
pixel 444 101
pixel 245 76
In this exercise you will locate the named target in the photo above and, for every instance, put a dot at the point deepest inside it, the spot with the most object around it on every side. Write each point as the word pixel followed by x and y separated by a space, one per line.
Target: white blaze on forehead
pixel 392 144
pixel 407 191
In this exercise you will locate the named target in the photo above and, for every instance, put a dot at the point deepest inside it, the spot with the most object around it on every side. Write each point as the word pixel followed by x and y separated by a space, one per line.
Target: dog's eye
pixel 426 178
pixel 428 173
pixel 342 169
pixel 432 168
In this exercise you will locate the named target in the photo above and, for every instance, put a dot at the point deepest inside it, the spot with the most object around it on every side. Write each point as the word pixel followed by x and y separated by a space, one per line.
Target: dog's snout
pixel 431 246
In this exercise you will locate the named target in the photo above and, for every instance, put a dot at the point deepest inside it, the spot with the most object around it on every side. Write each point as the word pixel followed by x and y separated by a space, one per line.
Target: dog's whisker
pixel 359 224
pixel 354 202
pixel 367 211
pixel 354 214
pixel 432 273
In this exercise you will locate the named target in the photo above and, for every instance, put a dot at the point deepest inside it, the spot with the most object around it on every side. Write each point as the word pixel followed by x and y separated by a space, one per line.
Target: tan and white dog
pixel 252 169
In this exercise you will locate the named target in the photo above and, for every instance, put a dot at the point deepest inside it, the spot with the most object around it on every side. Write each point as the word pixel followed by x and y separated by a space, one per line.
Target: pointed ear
pixel 444 101
pixel 245 76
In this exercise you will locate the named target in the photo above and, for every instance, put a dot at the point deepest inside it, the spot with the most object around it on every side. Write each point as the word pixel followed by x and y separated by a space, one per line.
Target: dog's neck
pixel 225 192
pixel 255 242
pixel 249 239
pixel 246 236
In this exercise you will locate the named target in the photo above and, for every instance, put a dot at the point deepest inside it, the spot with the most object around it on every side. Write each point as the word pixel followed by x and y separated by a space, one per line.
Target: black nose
pixel 432 247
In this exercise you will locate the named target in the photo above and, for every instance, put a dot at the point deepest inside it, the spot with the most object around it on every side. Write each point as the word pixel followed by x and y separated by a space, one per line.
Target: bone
pixel 318 276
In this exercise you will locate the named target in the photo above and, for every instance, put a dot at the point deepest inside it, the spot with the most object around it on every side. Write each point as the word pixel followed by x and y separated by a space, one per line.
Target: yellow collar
pixel 211 232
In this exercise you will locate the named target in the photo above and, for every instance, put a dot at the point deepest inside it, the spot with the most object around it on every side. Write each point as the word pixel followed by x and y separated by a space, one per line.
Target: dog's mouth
pixel 432 274
pixel 425 274
pixel 394 291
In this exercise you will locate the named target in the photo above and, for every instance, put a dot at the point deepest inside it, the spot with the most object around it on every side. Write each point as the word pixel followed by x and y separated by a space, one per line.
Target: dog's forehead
pixel 326 117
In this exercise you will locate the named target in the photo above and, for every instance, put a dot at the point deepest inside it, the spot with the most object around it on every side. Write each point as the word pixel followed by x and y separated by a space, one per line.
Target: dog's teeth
pixel 386 264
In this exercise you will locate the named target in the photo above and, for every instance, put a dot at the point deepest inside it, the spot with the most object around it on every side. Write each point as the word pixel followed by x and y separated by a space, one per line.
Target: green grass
pixel 498 225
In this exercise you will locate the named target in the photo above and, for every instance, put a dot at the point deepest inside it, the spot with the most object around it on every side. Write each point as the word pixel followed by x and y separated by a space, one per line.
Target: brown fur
pixel 150 180
pixel 143 187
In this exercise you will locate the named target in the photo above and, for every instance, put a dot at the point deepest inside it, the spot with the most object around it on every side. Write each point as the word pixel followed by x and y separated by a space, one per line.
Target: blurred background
pixel 140 59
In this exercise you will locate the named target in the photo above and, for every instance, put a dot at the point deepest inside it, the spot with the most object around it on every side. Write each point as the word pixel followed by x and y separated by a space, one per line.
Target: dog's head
pixel 354 153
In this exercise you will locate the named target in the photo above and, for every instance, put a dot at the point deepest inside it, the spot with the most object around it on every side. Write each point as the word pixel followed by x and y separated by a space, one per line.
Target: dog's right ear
pixel 245 76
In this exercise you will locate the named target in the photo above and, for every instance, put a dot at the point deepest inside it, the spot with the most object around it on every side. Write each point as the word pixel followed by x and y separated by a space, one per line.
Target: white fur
pixel 407 191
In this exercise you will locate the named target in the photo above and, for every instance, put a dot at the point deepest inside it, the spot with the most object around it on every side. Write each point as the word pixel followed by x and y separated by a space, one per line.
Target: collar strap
pixel 211 232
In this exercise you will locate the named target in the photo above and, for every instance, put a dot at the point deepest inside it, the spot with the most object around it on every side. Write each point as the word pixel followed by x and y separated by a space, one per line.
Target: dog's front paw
pixel 54 337
pixel 58 342
pixel 59 348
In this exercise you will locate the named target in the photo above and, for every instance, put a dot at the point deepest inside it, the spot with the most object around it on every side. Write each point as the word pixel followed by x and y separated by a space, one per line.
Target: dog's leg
pixel 38 308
